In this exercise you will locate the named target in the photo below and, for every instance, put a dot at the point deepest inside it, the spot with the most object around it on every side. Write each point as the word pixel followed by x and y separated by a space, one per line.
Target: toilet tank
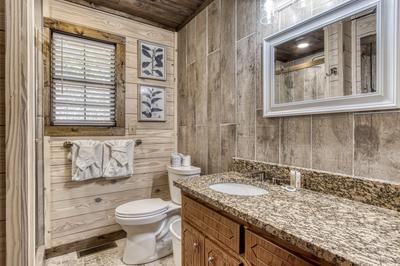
pixel 175 173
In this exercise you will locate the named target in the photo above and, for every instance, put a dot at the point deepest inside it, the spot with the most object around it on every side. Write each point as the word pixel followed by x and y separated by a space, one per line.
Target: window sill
pixel 60 131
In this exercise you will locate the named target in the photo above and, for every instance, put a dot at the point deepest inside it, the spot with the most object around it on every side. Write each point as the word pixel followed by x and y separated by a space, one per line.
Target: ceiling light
pixel 303 45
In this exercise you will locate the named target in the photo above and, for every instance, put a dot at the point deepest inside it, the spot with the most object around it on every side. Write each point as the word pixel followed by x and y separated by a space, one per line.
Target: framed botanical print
pixel 151 61
pixel 151 103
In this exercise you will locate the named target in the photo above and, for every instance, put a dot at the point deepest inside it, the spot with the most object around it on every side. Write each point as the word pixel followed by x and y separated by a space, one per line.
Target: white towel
pixel 86 156
pixel 118 159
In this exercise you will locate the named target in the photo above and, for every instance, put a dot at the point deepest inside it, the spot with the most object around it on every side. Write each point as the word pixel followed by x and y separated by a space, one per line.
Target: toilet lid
pixel 141 208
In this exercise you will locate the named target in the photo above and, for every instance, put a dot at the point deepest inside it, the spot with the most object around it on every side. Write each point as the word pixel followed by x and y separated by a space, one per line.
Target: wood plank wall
pixel 220 102
pixel 80 210
pixel 2 137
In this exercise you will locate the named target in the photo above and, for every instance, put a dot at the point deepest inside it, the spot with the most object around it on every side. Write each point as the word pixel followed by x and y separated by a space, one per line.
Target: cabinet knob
pixel 211 259
pixel 195 245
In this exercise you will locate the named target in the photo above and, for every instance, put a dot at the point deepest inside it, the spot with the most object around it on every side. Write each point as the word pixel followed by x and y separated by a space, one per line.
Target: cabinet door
pixel 214 256
pixel 192 246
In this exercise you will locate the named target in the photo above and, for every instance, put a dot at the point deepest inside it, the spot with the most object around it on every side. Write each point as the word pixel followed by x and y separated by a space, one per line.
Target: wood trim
pixel 47 191
pixel 82 31
pixel 53 25
pixel 76 131
pixel 20 132
pixel 203 6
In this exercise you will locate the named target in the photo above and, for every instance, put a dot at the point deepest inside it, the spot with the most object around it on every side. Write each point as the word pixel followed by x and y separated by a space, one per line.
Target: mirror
pixel 329 63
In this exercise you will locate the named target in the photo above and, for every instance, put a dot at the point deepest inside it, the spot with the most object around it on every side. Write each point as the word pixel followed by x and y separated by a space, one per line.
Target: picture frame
pixel 152 60
pixel 152 103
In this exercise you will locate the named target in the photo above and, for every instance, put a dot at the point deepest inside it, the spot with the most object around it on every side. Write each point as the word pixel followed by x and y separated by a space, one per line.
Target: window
pixel 85 81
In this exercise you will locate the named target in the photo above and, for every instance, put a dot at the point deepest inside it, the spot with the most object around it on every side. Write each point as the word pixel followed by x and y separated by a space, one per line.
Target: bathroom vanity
pixel 211 238
pixel 281 227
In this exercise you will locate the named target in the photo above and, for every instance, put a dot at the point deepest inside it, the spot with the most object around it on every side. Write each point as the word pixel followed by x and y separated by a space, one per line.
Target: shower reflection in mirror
pixel 336 60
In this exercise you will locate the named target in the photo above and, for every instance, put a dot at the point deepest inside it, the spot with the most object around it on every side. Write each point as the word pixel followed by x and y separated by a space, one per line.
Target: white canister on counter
pixel 186 160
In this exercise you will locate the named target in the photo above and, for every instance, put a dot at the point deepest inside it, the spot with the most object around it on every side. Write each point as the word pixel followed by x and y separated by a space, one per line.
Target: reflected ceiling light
pixel 303 45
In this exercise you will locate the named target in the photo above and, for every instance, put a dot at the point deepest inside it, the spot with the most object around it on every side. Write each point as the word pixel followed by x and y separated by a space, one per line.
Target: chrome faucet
pixel 263 177
pixel 260 175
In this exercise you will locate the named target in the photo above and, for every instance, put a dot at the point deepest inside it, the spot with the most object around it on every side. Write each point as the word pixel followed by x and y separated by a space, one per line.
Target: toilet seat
pixel 141 208
pixel 141 212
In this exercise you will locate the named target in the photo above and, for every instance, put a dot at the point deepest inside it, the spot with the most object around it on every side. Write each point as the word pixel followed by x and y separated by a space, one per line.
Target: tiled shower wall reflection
pixel 220 101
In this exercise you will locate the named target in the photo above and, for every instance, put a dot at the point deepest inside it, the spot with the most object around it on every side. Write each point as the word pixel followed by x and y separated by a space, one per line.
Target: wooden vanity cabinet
pixel 192 246
pixel 212 239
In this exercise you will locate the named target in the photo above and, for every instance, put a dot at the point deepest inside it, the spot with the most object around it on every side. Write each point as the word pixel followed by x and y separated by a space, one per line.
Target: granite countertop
pixel 335 229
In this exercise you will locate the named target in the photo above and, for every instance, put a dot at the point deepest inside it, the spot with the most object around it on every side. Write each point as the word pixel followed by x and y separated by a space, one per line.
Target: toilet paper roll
pixel 176 160
pixel 186 161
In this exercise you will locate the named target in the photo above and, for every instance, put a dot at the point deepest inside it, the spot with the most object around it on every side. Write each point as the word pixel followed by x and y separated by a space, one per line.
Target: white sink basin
pixel 238 189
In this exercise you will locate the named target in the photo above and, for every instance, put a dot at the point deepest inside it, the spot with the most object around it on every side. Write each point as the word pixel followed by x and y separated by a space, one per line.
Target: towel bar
pixel 68 144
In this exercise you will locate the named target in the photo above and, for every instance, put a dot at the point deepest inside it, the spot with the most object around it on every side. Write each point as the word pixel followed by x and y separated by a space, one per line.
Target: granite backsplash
pixel 371 192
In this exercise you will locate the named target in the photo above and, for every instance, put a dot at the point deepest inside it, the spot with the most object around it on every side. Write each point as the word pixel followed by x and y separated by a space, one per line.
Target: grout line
pixel 236 82
pixel 353 146
pixel 245 36
pixel 206 88
pixel 311 143
pixel 213 52
pixel 280 140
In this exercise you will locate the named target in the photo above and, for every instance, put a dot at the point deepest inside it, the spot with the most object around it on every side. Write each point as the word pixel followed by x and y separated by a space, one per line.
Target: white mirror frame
pixel 388 75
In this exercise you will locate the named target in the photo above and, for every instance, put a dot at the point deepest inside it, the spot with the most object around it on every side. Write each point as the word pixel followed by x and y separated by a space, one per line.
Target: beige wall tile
pixel 191 42
pixel 332 140
pixel 214 149
pixel 214 88
pixel 228 145
pixel 234 93
pixel 200 156
pixel 228 44
pixel 246 85
pixel 319 6
pixel 377 145
pixel 213 20
pixel 182 142
pixel 182 86
pixel 201 69
pixel 246 18
pixel 267 141
pixel 191 92
pixel 296 141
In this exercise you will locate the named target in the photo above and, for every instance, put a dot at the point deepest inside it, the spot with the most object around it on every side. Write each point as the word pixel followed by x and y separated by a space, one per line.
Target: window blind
pixel 83 81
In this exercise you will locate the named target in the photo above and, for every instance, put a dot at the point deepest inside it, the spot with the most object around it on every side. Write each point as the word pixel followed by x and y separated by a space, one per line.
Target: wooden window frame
pixel 52 25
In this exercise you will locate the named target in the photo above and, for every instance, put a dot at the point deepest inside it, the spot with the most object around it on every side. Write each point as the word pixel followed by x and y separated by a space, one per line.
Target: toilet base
pixel 139 250
pixel 148 242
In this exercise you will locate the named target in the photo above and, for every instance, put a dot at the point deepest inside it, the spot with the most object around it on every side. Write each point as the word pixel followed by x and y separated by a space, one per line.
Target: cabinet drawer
pixel 259 251
pixel 212 224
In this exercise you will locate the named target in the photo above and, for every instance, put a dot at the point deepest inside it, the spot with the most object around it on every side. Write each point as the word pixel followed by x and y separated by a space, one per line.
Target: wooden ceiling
pixel 288 51
pixel 168 14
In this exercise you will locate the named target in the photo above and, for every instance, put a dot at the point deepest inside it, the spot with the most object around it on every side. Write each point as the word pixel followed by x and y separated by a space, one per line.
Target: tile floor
pixel 110 257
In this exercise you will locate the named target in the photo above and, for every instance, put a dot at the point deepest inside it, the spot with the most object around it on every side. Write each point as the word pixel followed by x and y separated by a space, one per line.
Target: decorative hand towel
pixel 86 156
pixel 118 159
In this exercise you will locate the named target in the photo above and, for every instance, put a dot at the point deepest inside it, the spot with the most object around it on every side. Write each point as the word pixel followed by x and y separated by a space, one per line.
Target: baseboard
pixel 84 244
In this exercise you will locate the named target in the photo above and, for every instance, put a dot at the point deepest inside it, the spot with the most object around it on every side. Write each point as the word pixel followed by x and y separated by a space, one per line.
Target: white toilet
pixel 147 222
